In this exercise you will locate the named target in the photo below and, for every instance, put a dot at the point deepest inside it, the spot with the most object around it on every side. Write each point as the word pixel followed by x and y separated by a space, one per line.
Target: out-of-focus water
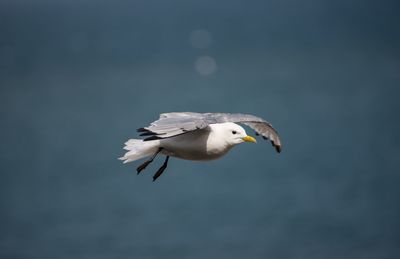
pixel 78 78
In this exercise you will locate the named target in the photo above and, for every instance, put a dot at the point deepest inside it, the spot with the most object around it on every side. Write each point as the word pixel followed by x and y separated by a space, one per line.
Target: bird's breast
pixel 197 145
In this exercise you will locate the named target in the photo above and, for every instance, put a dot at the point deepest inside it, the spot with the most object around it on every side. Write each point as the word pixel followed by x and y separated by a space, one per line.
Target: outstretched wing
pixel 173 124
pixel 176 123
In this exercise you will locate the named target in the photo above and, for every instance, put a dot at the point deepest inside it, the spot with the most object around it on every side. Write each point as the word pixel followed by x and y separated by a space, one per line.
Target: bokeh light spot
pixel 205 65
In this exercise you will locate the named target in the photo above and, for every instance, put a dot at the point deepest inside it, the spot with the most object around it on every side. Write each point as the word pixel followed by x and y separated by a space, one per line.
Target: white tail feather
pixel 138 149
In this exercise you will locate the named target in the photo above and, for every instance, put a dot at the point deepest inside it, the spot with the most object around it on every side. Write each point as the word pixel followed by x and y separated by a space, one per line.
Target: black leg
pixel 147 162
pixel 161 170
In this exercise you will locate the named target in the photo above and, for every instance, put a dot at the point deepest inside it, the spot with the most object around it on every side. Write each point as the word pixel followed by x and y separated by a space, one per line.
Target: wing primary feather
pixel 152 138
pixel 142 130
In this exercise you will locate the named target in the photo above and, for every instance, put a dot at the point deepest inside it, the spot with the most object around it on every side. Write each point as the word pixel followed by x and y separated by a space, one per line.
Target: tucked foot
pixel 161 169
pixel 143 166
pixel 147 162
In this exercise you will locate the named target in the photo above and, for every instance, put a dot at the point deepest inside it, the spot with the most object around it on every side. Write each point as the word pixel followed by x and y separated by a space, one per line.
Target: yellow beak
pixel 249 139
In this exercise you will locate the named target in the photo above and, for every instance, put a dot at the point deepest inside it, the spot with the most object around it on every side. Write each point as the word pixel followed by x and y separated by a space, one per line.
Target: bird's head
pixel 234 134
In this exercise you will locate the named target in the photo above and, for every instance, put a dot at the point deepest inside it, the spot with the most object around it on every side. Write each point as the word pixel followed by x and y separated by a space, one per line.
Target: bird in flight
pixel 195 136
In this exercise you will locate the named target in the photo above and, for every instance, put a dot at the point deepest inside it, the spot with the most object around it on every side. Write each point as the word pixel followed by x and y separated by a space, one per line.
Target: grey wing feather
pixel 268 132
pixel 177 123
pixel 173 124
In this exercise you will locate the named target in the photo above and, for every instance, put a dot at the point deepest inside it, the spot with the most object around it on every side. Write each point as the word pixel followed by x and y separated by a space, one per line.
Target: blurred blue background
pixel 78 77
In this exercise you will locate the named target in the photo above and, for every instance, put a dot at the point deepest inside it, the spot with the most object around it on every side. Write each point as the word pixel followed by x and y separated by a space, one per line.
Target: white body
pixel 202 145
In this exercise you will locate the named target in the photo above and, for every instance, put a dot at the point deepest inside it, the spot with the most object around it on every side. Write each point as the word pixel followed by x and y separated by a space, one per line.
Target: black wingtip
pixel 278 148
pixel 152 138
pixel 148 133
pixel 142 130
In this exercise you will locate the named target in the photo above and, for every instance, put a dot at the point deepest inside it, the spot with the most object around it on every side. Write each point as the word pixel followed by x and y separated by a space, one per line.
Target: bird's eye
pixel 234 131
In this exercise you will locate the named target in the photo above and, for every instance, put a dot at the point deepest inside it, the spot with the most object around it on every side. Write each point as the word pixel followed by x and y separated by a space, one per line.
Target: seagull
pixel 195 136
